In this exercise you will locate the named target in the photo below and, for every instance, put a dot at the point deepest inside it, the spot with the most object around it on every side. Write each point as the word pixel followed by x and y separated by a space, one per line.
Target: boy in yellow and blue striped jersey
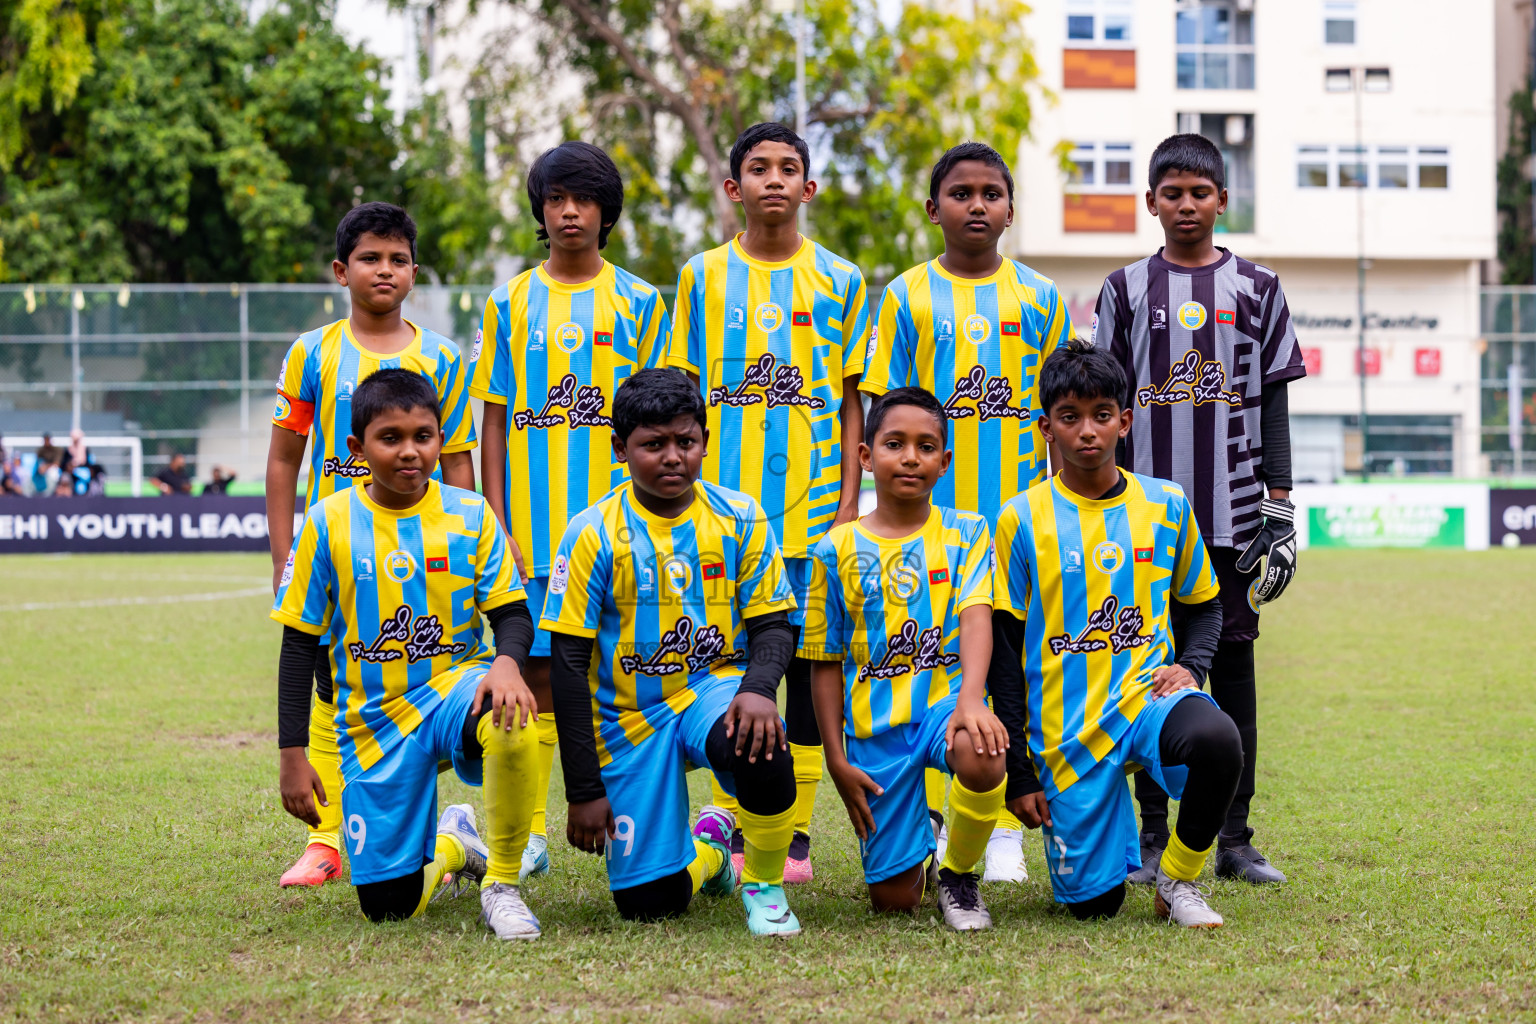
pixel 899 625
pixel 397 575
pixel 678 587
pixel 772 326
pixel 972 326
pixel 554 343
pixel 376 262
pixel 1085 674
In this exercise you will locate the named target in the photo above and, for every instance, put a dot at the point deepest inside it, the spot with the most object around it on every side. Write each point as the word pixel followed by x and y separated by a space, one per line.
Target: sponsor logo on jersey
pixel 584 403
pixel 992 396
pixel 474 352
pixel 802 319
pixel 1192 315
pixel 1159 319
pixel 768 317
pixel 352 466
pixel 1191 380
pixel 560 576
pixel 399 565
pixel 922 650
pixel 699 649
pixel 437 565
pixel 874 342
pixel 1122 626
pixel 1093 330
pixel 287 576
pixel 420 637
pixel 344 390
pixel 977 328
pixel 1073 562
pixel 938 575
pixel 1108 557
pixel 780 384
pixel 569 337
pixel 1143 554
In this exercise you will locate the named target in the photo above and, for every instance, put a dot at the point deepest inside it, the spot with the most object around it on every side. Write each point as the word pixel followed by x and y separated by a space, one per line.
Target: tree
pixel 667 86
pixel 1517 236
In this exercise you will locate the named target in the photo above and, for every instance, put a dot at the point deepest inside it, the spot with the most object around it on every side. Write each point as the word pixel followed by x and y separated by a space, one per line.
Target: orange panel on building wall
pixel 1089 211
pixel 1098 69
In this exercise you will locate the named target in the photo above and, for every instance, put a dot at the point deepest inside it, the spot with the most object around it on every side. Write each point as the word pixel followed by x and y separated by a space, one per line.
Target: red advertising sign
pixel 1372 361
pixel 1426 362
pixel 1313 357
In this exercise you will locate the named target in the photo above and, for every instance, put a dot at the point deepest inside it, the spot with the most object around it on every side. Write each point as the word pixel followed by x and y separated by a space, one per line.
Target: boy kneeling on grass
pixel 1084 672
pixel 897 623
pixel 398 574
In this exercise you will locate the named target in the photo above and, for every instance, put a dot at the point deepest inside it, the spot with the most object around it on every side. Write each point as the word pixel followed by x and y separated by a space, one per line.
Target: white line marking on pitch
pixel 107 602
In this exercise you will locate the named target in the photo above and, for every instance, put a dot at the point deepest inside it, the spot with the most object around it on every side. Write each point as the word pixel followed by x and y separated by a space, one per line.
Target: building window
pixel 1339 79
pixel 1387 167
pixel 1233 135
pixel 1214 41
pixel 1378 79
pixel 1100 167
pixel 1099 22
pixel 1339 22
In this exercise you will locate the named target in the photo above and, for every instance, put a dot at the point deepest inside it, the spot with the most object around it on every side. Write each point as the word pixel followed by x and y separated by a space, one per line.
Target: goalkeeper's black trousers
pixel 1232 686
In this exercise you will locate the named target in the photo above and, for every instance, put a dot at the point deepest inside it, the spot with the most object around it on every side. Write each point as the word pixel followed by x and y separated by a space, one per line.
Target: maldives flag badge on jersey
pixel 437 565
pixel 802 319
pixel 938 576
pixel 1226 316
pixel 603 338
pixel 714 570
pixel 1143 554
pixel 1011 327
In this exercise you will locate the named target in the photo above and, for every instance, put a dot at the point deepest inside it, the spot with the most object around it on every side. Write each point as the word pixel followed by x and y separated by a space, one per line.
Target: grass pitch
pixel 142 838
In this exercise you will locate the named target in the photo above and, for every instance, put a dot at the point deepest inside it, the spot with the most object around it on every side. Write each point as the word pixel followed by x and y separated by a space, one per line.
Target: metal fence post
pixel 245 373
pixel 75 372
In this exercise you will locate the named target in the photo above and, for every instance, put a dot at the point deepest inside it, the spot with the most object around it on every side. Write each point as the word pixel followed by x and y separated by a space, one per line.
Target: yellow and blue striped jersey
pixel 889 610
pixel 977 345
pixel 400 593
pixel 1092 580
pixel 315 385
pixel 771 344
pixel 666 600
pixel 554 354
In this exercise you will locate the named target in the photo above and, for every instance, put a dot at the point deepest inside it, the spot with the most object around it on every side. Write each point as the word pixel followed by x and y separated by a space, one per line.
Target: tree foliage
pixel 666 86
pixel 180 140
pixel 1517 231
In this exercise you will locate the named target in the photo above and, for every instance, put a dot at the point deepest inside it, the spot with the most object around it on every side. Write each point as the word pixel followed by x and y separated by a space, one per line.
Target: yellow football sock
pixel 707 860
pixel 766 843
pixel 934 782
pixel 720 798
pixel 1007 819
pixel 325 759
pixel 548 739
pixel 808 761
pixel 510 769
pixel 972 816
pixel 447 855
pixel 1180 862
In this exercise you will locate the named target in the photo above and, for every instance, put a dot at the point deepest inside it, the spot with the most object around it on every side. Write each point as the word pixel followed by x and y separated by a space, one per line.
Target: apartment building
pixel 1350 128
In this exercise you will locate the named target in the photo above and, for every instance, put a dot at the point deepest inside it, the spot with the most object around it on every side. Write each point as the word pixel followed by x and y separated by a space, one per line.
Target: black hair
pixel 1192 154
pixel 902 396
pixel 968 151
pixel 1078 368
pixel 768 131
pixel 585 172
pixel 655 396
pixel 391 388
pixel 383 219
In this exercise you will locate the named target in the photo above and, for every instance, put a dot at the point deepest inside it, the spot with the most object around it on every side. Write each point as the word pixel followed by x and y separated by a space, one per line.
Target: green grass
pixel 141 840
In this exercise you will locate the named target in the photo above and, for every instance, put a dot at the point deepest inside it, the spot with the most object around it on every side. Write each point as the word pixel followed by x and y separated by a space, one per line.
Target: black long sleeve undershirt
pixel 511 625
pixel 770 646
pixel 1275 436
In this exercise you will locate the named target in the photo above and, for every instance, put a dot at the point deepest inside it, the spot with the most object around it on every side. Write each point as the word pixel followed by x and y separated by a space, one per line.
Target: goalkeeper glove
pixel 1273 551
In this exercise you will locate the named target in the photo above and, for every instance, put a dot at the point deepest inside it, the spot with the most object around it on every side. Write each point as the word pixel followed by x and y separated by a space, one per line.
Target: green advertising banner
pixel 1386 526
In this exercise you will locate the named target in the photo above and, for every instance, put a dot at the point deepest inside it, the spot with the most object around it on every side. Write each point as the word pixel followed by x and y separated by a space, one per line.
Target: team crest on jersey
pixel 1191 380
pixel 699 648
pixel 420 638
pixel 399 565
pixel 677 574
pixel 904 582
pixel 780 383
pixel 1191 315
pixel 1108 557
pixel 910 650
pixel 352 466
pixel 1122 626
pixel 977 328
pixel 1253 594
pixel 768 317
pixel 569 337
pixel 584 403
pixel 992 396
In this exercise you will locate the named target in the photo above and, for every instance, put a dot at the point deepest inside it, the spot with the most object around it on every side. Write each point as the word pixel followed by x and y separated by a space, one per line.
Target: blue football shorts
pixel 648 790
pixel 797 573
pixel 895 760
pixel 537 589
pixel 1091 844
pixel 389 812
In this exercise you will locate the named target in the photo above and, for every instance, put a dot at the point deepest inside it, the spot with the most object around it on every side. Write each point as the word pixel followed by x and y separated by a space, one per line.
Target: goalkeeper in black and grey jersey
pixel 1207 344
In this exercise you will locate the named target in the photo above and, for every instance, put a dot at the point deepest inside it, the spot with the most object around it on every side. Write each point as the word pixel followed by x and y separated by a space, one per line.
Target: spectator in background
pixel 96 487
pixel 173 479
pixel 78 456
pixel 65 488
pixel 222 478
pixel 50 458
pixel 10 472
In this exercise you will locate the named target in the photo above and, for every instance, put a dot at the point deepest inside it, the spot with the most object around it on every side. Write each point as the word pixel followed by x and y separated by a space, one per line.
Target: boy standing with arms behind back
pixel 973 327
pixel 772 326
pixel 1206 342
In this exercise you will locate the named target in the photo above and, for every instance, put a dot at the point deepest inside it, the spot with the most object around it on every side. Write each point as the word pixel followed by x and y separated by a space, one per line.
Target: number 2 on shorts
pixel 1061 855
